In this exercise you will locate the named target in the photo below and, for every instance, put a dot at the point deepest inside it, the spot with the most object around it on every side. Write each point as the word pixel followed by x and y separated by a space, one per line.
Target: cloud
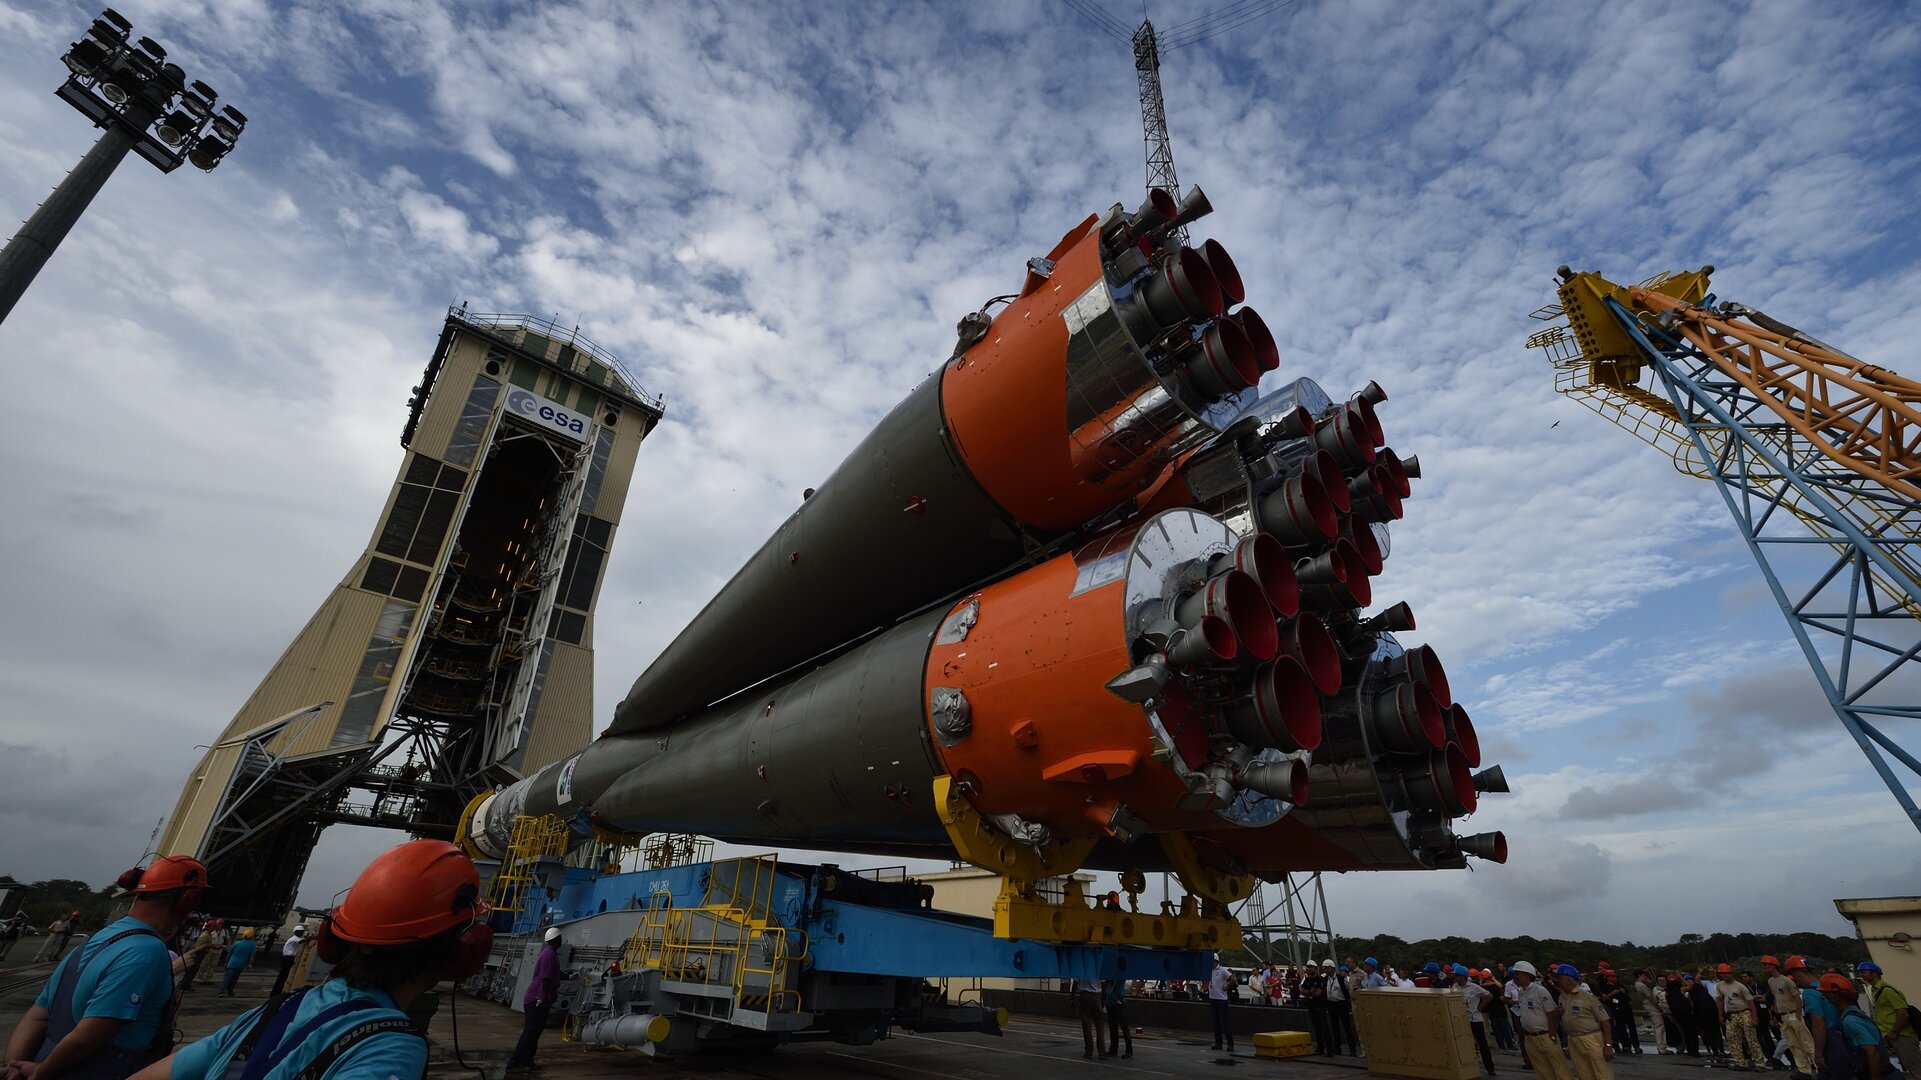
pixel 774 215
pixel 1648 795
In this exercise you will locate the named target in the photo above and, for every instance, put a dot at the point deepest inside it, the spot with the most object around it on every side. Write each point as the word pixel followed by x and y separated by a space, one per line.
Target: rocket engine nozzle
pixel 1194 206
pixel 1278 709
pixel 1491 781
pixel 1283 780
pixel 1328 472
pixel 1221 362
pixel 1423 665
pixel 1388 467
pixel 1367 546
pixel 1375 496
pixel 1491 846
pixel 1441 782
pixel 1460 731
pixel 1299 512
pixel 1184 290
pixel 1225 272
pixel 1405 719
pixel 1371 393
pixel 1396 619
pixel 1267 352
pixel 1349 435
pixel 1262 558
pixel 1157 211
pixel 1411 466
pixel 1370 420
pixel 1210 641
pixel 1235 598
pixel 1306 640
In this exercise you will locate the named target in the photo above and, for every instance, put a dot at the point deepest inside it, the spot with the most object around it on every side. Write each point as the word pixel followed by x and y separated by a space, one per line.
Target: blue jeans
pixel 226 981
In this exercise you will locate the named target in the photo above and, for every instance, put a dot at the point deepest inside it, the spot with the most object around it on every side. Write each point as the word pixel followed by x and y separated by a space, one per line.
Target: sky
pixel 775 213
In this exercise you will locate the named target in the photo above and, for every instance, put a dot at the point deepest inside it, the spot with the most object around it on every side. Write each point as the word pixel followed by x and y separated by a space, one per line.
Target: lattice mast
pixel 1160 150
pixel 1780 421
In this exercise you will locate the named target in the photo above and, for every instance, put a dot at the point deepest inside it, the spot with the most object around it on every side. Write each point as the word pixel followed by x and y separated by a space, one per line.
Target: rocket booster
pixel 1083 574
pixel 1049 417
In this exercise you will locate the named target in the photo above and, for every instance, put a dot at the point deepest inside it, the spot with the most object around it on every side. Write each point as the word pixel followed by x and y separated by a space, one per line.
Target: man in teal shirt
pixel 412 918
pixel 238 958
pixel 1854 1042
pixel 108 1009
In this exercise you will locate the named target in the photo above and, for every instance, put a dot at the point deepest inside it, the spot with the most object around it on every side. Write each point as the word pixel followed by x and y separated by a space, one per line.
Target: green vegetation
pixel 49 900
pixel 1744 951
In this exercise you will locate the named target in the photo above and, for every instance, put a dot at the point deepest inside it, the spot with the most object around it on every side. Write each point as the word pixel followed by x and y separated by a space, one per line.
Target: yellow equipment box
pixel 1417 1033
pixel 1282 1051
pixel 1283 1039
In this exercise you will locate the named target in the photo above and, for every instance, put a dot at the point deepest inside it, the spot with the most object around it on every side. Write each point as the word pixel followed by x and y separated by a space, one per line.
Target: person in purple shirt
pixel 538 1001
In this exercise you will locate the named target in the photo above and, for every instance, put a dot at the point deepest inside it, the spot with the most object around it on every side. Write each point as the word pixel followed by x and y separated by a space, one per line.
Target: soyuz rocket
pixel 1085 572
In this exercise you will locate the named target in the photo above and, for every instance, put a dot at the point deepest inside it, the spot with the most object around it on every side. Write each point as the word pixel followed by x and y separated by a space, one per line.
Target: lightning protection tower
pixel 457 653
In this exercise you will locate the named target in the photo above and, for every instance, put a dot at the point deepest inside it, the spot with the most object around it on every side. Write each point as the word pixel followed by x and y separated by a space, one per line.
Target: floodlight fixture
pixel 146 105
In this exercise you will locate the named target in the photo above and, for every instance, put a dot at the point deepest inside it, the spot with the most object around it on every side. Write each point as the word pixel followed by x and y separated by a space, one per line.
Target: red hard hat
pixel 168 872
pixel 1797 963
pixel 1838 983
pixel 410 893
pixel 1725 969
pixel 1769 959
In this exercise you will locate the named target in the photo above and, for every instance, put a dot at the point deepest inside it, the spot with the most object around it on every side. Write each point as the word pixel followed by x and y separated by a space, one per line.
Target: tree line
pixel 1688 952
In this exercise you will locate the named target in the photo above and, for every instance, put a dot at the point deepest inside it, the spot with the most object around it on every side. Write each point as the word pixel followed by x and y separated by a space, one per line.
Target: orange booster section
pixel 1031 715
pixel 1115 359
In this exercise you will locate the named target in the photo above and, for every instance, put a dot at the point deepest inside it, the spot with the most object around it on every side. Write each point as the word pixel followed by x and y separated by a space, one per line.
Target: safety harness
pixel 268 1044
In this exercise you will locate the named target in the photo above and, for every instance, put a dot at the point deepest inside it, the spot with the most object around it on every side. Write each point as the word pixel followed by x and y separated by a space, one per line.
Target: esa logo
pixel 545 413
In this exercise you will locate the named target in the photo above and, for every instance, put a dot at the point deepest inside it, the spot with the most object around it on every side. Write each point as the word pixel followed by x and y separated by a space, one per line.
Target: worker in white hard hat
pixel 1540 1020
pixel 538 1001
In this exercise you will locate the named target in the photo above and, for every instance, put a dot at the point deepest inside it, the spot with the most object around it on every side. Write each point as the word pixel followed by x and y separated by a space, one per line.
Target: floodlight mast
pixel 145 104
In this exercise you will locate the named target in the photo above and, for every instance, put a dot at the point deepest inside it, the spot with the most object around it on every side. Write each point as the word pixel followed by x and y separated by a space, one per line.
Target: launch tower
pixel 457 653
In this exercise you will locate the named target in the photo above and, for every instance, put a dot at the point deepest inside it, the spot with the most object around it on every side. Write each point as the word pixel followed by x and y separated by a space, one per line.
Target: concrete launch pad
pixel 1031 1046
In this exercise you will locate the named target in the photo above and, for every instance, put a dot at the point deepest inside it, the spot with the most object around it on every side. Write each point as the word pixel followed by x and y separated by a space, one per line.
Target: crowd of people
pixel 413 918
pixel 1835 1025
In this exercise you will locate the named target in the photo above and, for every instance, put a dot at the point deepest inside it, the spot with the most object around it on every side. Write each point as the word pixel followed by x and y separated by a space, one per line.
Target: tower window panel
pixel 361 711
pixel 578 592
pixel 573 627
pixel 597 469
pixel 411 584
pixel 421 469
pixel 536 344
pixel 434 522
pixel 402 522
pixel 525 374
pixel 471 428
pixel 380 575
pixel 451 478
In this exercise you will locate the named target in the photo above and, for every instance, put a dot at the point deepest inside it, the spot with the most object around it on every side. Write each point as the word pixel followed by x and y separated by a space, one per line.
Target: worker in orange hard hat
pixel 412 918
pixel 108 1009
pixel 1791 1013
pixel 1737 1012
pixel 1853 1049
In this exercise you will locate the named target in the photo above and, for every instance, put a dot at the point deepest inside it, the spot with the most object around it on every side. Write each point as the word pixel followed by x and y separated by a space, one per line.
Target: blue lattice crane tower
pixel 1817 455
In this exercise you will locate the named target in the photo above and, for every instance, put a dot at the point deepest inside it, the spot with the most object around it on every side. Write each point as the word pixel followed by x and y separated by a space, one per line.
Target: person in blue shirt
pixel 238 958
pixel 108 1009
pixel 412 918
pixel 1853 1050
pixel 1375 980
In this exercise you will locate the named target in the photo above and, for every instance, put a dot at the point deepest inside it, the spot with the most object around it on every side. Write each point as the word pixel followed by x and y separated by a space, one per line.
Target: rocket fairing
pixel 1085 574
